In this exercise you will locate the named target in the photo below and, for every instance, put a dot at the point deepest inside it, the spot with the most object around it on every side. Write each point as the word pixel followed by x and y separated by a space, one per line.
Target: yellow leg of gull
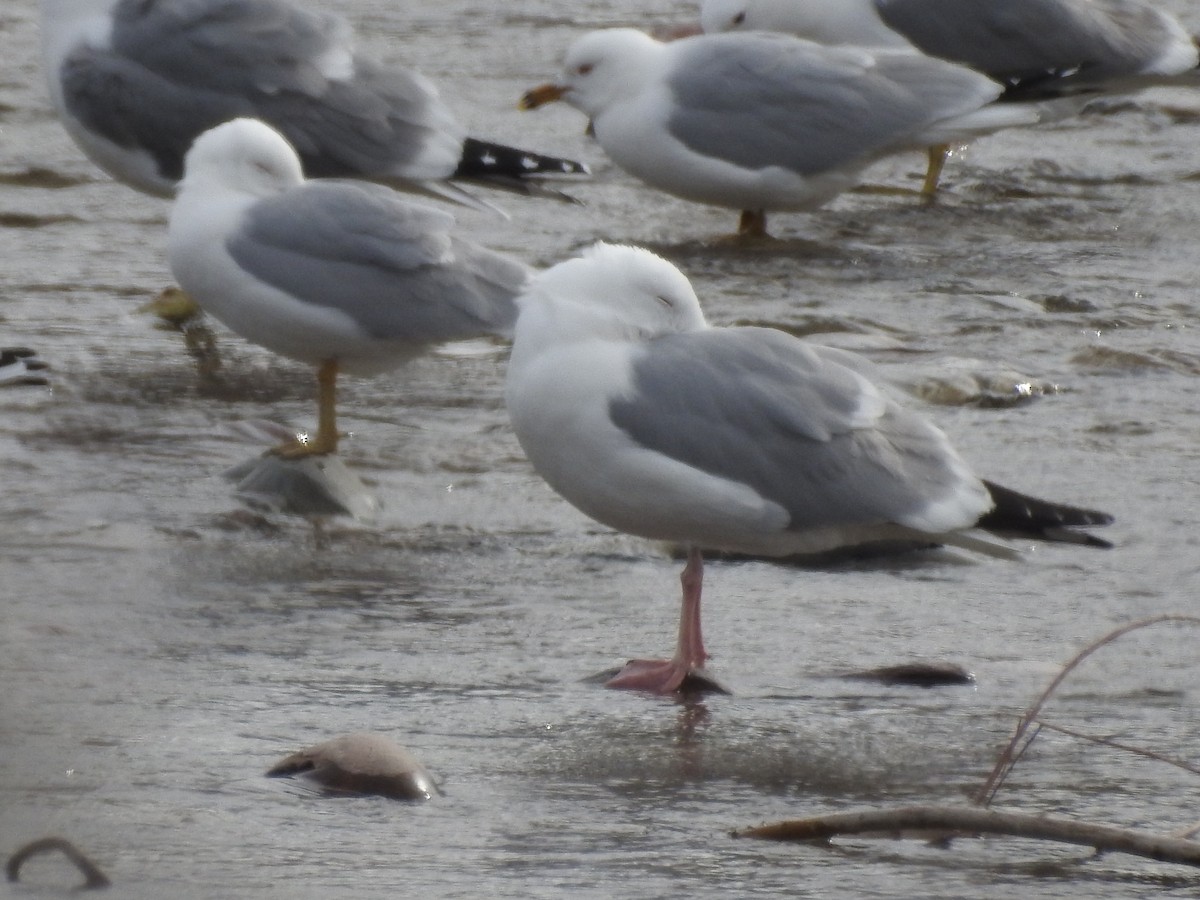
pixel 753 223
pixel 938 155
pixel 173 306
pixel 326 438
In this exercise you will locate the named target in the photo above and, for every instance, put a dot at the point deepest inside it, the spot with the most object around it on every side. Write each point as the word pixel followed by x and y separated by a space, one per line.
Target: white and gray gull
pixel 1038 49
pixel 1035 48
pixel 743 439
pixel 136 81
pixel 343 275
pixel 759 121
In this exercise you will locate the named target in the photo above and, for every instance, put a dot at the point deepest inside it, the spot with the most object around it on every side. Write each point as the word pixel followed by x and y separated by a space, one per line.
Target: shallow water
pixel 161 645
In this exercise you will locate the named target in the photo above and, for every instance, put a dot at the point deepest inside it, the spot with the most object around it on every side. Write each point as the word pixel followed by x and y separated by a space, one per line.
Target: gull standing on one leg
pixel 742 439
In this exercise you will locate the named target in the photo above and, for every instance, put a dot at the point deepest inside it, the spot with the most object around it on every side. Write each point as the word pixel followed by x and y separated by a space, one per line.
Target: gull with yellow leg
pixel 1058 53
pixel 759 122
pixel 345 276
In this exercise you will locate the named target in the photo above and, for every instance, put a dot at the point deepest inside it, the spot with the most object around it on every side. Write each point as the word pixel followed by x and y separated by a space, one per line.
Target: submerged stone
pixel 360 763
pixel 310 486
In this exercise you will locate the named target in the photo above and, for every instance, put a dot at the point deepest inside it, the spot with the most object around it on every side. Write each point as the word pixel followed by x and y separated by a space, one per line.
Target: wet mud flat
pixel 162 643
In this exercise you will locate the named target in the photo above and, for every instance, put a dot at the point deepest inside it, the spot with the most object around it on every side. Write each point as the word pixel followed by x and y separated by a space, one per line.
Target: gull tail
pixel 1019 515
pixel 511 169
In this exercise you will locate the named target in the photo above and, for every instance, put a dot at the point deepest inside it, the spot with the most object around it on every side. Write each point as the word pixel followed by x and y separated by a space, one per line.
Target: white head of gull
pixel 342 275
pixel 135 82
pixel 760 121
pixel 742 439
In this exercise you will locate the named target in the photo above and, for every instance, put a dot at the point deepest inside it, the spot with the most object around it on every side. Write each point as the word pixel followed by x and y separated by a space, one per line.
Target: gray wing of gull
pixel 392 266
pixel 789 420
pixel 176 69
pixel 757 99
pixel 1024 39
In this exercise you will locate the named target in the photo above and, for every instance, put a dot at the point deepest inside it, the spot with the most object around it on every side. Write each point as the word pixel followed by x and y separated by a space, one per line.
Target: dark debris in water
pixel 1061 303
pixel 93 877
pixel 916 674
pixel 28 220
pixel 1116 360
pixel 39 177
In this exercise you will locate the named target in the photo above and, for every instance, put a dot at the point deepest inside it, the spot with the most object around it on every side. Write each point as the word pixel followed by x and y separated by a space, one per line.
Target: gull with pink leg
pixel 741 439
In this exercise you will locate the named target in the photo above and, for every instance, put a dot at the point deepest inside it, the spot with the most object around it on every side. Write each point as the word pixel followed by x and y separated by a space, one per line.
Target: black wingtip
pixel 1019 514
pixel 482 160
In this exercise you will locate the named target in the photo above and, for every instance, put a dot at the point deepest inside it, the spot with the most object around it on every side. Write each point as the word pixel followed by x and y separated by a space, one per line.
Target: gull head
pixel 601 69
pixel 611 292
pixel 243 155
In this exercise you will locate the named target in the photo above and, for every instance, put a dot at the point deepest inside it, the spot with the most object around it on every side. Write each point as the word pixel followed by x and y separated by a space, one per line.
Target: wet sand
pixel 161 644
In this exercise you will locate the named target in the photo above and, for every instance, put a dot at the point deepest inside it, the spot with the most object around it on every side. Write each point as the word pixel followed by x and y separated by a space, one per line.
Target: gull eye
pixel 664 301
pixel 739 18
pixel 584 69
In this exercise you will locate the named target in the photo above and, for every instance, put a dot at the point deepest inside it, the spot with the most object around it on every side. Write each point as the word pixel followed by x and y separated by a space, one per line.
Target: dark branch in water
pixel 941 824
pixel 91 872
pixel 946 822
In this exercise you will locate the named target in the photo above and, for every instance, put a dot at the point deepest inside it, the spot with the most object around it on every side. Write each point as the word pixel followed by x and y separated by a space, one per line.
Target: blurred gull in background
pixel 1038 49
pixel 136 81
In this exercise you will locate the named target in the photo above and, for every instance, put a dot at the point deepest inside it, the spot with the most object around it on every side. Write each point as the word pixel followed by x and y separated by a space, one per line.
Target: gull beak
pixel 541 95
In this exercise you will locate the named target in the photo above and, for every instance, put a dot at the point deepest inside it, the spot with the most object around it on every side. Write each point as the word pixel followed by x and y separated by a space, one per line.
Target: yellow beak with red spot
pixel 541 95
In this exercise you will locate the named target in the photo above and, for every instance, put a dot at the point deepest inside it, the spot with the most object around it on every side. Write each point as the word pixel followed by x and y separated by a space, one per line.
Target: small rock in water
pixel 964 382
pixel 310 486
pixel 917 674
pixel 360 763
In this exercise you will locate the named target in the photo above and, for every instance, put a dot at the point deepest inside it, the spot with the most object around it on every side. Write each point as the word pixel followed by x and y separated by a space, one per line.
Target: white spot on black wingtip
pixel 488 159
pixel 530 164
pixel 18 365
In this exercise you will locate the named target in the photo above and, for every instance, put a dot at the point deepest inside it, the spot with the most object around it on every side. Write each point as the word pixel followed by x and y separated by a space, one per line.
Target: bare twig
pixel 967 821
pixel 1118 745
pixel 1007 756
pixel 1018 754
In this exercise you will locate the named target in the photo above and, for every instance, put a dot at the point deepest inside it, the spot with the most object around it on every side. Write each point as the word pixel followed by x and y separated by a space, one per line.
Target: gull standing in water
pixel 741 439
pixel 136 81
pixel 1038 49
pixel 343 275
pixel 761 122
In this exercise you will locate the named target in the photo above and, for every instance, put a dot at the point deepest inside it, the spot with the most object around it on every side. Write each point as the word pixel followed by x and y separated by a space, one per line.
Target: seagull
pixel 136 81
pixel 1038 49
pixel 741 439
pixel 343 275
pixel 759 121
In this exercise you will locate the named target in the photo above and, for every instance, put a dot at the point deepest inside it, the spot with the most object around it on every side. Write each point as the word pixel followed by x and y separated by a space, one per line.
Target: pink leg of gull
pixel 665 676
